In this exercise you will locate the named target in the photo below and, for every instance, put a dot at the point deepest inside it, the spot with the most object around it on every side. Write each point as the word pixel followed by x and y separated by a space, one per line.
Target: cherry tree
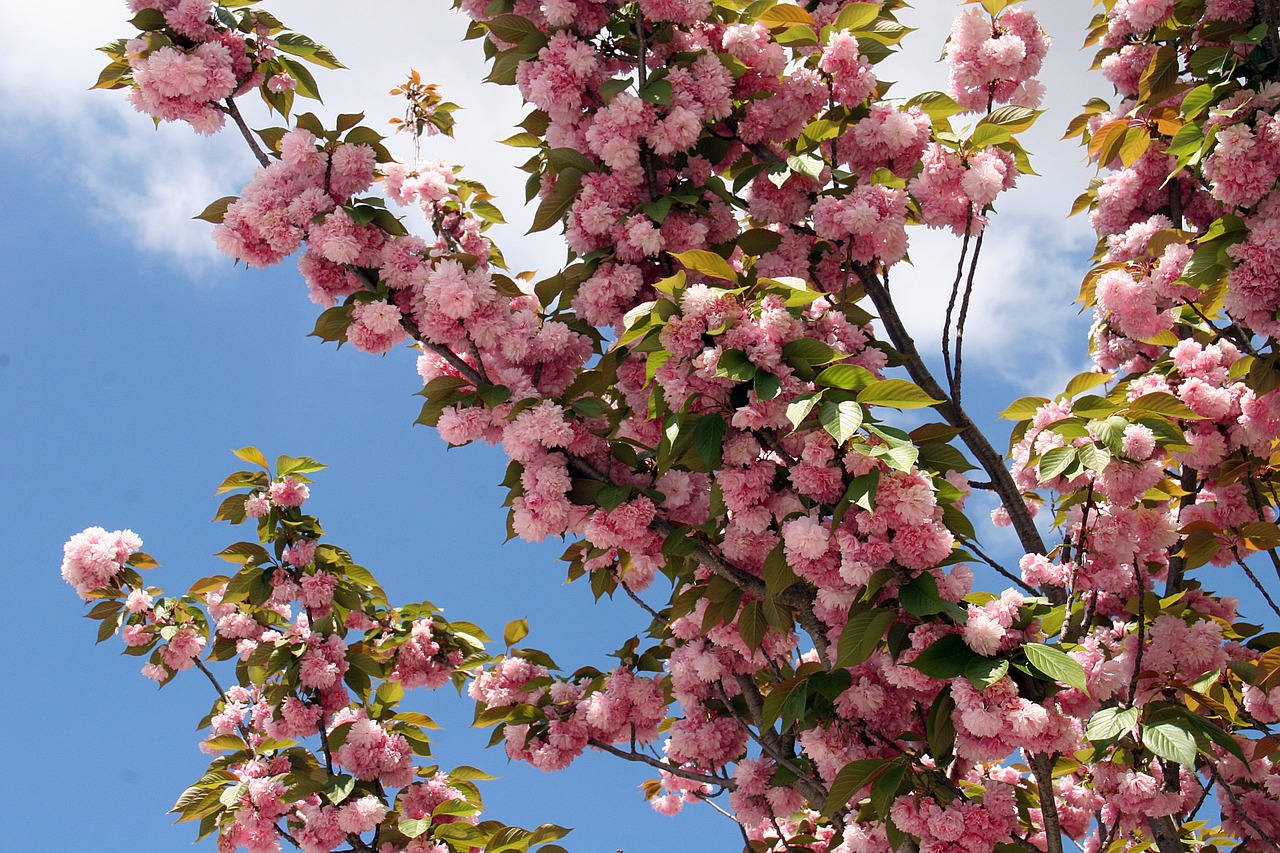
pixel 706 402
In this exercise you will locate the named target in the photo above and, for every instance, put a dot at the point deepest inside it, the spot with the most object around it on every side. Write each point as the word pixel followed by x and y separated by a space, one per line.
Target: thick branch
pixel 1269 12
pixel 1042 768
pixel 1165 834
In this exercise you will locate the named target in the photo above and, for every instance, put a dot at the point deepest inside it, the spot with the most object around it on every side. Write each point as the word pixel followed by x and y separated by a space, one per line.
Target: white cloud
pixel 1022 323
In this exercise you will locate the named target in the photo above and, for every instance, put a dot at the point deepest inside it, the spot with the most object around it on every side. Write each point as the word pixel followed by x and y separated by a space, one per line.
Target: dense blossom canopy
pixel 704 402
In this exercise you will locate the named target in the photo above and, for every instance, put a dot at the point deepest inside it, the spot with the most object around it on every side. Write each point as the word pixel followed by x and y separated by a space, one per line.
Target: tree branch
pixel 234 111
pixel 990 460
pixel 1042 768
pixel 667 766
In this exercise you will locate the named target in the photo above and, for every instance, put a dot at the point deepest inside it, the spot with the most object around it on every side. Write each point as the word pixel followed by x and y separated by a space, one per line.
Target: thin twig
pixel 951 304
pixel 1257 584
pixel 1142 628
pixel 973 546
pixel 657 617
pixel 674 770
pixel 1258 504
pixel 964 318
pixel 1261 833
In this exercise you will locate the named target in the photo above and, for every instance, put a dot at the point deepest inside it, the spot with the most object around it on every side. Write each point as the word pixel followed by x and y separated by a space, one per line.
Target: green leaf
pixel 1053 662
pixel 516 630
pixel 708 438
pixel 609 89
pixel 1087 381
pixel 885 789
pixel 759 241
pixel 921 598
pixel 300 45
pixel 252 455
pixel 245 552
pixel 339 788
pixel 148 20
pixel 569 158
pixel 752 624
pixel 785 14
pixel 840 420
pixel 707 263
pixel 547 832
pixel 734 364
pixel 140 560
pixel 554 206
pixel 895 393
pixel 855 16
pixel 939 106
pixel 863 635
pixel 862 490
pixel 1197 101
pixel 940 728
pixel 297 465
pixel 411 828
pixel 948 657
pixel 1171 741
pixel 1161 403
pixel 657 92
pixel 488 211
pixel 332 324
pixel 1111 723
pixel 984 672
pixel 113 76
pixel 808 351
pixel 304 83
pixel 1013 118
pixel 1023 408
pixel 851 779
pixel 217 210
pixel 610 498
pixel 778 575
pixel 768 385
pixel 1056 461
pixel 848 377
pixel 513 28
pixel 464 773
pixel 799 409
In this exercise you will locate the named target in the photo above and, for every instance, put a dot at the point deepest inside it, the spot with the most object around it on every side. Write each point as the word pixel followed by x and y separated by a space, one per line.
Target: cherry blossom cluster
pixel 700 396
pixel 308 746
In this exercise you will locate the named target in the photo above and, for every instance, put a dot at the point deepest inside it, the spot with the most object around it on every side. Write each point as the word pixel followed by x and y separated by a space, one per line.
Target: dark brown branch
pixel 1042 768
pixel 768 740
pixel 991 461
pixel 1257 584
pixel 1164 832
pixel 1258 504
pixel 234 111
pixel 674 770
pixel 644 605
pixel 1177 563
pixel 963 320
pixel 1269 12
pixel 951 306
pixel 1262 834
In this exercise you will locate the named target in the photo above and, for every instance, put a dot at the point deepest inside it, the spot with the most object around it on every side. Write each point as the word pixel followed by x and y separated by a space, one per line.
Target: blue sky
pixel 132 359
